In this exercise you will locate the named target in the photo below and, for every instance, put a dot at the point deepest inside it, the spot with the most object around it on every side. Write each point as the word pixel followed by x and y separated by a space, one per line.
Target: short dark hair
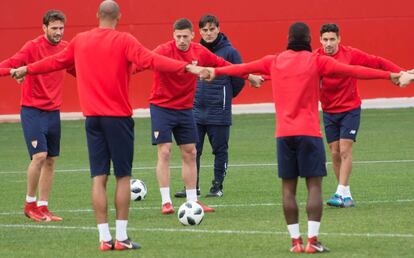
pixel 208 18
pixel 53 15
pixel 182 24
pixel 329 27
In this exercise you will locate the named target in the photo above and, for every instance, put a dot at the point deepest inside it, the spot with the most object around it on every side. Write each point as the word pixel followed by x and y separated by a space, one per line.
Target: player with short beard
pixel 41 99
pixel 341 105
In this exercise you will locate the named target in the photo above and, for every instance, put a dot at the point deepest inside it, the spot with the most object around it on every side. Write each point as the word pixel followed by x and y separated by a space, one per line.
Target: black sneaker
pixel 183 194
pixel 216 190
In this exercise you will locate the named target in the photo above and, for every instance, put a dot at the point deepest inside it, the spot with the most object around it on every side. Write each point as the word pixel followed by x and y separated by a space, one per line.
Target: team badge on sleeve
pixel 156 133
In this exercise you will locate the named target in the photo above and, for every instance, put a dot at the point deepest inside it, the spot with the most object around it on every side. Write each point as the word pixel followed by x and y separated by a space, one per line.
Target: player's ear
pixel 44 27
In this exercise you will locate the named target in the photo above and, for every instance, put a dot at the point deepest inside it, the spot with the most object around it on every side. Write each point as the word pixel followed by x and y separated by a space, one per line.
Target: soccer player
pixel 295 75
pixel 341 105
pixel 171 104
pixel 41 99
pixel 103 58
pixel 212 104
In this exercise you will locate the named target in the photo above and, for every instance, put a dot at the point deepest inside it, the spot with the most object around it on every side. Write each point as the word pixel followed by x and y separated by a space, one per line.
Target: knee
pixel 164 154
pixel 39 159
pixel 289 203
pixel 345 154
pixel 50 162
pixel 336 154
pixel 289 198
pixel 189 154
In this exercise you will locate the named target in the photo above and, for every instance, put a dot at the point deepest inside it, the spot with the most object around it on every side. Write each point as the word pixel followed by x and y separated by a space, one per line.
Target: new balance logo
pixel 352 132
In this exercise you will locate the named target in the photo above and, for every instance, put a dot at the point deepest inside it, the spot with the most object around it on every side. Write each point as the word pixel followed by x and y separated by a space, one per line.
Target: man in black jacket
pixel 212 104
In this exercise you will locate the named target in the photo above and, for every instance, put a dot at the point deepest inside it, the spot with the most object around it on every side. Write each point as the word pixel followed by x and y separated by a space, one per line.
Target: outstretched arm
pixel 59 61
pixel 261 66
pixel 20 58
pixel 361 58
pixel 5 71
pixel 143 59
pixel 330 67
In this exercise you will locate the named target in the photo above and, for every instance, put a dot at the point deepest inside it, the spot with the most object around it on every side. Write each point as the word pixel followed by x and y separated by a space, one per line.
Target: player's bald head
pixel 108 9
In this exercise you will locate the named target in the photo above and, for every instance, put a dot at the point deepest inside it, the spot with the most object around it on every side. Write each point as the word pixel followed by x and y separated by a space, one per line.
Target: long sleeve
pixel 330 67
pixel 361 58
pixel 18 59
pixel 261 66
pixel 4 71
pixel 143 58
pixel 62 60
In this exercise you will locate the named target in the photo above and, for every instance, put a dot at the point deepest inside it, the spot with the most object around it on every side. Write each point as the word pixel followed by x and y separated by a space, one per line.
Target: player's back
pixel 103 71
pixel 295 80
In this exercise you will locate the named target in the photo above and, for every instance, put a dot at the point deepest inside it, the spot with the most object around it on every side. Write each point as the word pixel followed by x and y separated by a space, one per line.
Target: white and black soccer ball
pixel 190 214
pixel 138 190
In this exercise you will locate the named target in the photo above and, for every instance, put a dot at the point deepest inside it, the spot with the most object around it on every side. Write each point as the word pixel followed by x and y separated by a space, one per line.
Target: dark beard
pixel 52 40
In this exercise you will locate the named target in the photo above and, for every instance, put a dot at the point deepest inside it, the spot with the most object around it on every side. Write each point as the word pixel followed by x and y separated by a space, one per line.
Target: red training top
pixel 176 91
pixel 340 94
pixel 41 91
pixel 103 59
pixel 295 81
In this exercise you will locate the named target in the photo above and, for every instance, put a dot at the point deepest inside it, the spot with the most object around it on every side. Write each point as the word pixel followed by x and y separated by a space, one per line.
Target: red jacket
pixel 295 83
pixel 176 91
pixel 340 94
pixel 103 59
pixel 41 91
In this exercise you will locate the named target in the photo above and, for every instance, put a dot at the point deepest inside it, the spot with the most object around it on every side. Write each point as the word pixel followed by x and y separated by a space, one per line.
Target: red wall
pixel 256 28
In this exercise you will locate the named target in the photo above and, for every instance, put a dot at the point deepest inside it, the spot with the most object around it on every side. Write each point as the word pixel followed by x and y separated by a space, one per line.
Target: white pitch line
pixel 216 206
pixel 210 166
pixel 191 230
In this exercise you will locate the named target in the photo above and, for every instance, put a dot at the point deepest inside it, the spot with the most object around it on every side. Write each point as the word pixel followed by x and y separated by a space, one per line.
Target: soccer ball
pixel 190 213
pixel 138 190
